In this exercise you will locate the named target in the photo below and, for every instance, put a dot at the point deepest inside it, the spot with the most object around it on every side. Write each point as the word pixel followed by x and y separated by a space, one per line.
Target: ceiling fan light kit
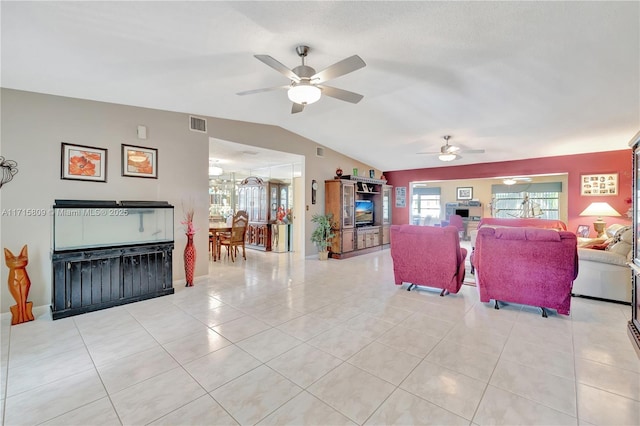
pixel 306 84
pixel 304 93
pixel 447 157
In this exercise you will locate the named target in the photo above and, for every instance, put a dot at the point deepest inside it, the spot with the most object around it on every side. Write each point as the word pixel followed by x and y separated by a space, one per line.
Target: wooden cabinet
pixel 89 280
pixel 386 214
pixel 368 237
pixel 339 201
pixel 361 209
pixel 261 200
pixel 386 235
pixel 107 254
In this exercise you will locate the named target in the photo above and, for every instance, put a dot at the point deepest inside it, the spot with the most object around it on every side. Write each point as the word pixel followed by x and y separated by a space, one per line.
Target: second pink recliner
pixel 428 256
pixel 530 266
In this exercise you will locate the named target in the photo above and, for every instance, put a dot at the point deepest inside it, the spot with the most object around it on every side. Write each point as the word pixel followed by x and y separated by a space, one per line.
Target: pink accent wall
pixel 574 165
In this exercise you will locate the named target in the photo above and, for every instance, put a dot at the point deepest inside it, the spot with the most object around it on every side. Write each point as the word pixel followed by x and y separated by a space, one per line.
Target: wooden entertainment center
pixel 361 209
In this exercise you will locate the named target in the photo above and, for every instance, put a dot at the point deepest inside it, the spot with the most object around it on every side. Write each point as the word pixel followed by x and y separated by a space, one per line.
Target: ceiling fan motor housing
pixel 304 71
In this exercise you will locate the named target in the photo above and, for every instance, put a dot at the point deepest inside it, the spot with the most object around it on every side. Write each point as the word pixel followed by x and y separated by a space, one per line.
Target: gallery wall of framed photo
pixel 599 184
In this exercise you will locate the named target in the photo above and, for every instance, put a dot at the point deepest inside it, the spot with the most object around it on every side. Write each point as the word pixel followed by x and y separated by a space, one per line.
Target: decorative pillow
pixel 613 229
pixel 601 246
pixel 621 241
pixel 627 235
pixel 620 248
pixel 586 242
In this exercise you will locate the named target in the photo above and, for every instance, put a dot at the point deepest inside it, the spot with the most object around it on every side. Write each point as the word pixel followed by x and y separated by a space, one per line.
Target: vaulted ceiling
pixel 517 79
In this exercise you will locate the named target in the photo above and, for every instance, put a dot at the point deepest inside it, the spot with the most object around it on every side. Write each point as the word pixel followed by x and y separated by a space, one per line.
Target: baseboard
pixel 619 302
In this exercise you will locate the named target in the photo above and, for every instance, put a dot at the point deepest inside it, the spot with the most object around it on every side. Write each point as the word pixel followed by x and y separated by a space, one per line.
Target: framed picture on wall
pixel 401 196
pixel 81 162
pixel 599 185
pixel 464 193
pixel 138 161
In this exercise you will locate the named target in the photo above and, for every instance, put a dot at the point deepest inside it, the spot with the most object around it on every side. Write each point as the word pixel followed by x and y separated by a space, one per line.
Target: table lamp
pixel 599 210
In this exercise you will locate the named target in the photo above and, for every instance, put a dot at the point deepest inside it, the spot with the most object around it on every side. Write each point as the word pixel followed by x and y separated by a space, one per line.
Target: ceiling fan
pixel 451 152
pixel 306 84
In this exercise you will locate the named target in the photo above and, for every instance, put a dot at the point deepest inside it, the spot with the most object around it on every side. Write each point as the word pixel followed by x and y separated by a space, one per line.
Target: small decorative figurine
pixel 338 172
pixel 19 284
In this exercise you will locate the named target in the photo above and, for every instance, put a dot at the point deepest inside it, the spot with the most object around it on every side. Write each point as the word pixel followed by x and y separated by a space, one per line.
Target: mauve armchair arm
pixel 461 269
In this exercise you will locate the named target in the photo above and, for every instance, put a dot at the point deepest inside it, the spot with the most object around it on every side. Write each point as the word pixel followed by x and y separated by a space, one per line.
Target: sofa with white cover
pixel 602 266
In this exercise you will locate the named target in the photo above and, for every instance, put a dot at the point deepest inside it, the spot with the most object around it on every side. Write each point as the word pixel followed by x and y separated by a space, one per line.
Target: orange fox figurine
pixel 19 284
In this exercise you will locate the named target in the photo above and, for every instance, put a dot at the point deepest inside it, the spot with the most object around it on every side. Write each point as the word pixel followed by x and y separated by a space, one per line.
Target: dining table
pixel 216 229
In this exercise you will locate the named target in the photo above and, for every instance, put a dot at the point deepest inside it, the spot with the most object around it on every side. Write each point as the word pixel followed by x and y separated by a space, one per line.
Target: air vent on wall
pixel 197 124
pixel 319 151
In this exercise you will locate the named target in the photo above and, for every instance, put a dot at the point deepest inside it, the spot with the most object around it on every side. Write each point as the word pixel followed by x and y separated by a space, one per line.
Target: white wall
pixel 34 125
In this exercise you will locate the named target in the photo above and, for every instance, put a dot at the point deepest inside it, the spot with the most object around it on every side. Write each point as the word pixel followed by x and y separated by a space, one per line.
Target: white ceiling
pixel 518 79
pixel 244 161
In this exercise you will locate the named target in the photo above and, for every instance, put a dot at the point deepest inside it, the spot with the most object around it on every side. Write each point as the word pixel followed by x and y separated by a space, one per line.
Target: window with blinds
pixel 425 204
pixel 537 200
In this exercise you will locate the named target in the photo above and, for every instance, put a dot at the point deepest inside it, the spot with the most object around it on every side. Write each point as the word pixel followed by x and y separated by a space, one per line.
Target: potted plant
pixel 323 234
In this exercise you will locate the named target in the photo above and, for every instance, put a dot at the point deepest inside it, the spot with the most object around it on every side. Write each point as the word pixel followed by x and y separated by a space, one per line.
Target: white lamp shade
pixel 447 157
pixel 599 210
pixel 304 93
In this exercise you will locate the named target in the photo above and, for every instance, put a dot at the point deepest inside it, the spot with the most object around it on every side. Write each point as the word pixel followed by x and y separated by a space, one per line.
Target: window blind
pixel 527 187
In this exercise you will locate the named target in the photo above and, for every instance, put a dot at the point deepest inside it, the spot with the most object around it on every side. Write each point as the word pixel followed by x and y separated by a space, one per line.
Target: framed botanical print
pixel 139 161
pixel 80 162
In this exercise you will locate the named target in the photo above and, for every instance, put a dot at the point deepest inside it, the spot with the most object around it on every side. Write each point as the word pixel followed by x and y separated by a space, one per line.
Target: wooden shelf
pixel 364 179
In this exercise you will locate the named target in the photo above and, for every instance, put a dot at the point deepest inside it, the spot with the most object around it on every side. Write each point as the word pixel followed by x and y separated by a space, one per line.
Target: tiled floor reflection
pixel 282 340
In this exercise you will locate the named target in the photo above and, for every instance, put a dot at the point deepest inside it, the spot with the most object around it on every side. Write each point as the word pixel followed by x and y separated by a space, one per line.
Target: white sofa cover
pixel 604 273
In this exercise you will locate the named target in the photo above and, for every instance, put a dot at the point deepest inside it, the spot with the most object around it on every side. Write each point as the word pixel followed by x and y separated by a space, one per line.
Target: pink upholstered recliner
pixel 529 222
pixel 428 256
pixel 530 266
pixel 456 220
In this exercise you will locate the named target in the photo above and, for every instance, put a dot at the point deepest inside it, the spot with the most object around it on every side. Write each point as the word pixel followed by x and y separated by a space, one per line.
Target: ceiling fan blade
pixel 430 153
pixel 473 151
pixel 343 67
pixel 343 95
pixel 266 89
pixel 278 67
pixel 296 108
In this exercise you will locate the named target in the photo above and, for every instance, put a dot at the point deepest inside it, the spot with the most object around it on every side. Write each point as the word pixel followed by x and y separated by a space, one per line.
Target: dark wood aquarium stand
pixel 88 275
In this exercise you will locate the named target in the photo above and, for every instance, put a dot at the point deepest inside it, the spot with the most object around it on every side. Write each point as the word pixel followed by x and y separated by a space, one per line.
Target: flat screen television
pixel 364 212
pixel 462 212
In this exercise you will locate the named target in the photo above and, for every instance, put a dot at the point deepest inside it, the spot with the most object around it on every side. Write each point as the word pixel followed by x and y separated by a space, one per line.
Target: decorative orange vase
pixel 189 260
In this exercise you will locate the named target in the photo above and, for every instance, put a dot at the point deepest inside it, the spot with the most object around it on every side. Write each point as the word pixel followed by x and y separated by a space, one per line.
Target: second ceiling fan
pixel 451 152
pixel 306 84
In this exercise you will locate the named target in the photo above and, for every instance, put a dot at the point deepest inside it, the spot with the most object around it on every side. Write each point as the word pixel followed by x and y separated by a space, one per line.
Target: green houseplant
pixel 323 234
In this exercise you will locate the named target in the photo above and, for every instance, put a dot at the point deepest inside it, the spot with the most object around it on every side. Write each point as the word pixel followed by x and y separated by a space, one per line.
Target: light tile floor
pixel 282 340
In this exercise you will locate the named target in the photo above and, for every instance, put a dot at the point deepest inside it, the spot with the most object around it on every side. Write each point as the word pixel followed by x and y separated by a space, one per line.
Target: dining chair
pixel 212 242
pixel 236 237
